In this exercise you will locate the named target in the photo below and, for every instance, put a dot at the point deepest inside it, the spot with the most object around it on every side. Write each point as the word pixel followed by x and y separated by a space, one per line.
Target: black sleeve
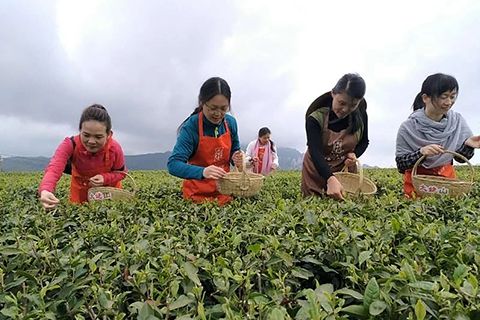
pixel 465 151
pixel 407 161
pixel 315 146
pixel 363 143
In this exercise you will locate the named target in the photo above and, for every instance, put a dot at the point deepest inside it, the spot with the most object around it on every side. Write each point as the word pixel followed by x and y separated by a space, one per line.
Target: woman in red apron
pixel 337 134
pixel 261 154
pixel 207 144
pixel 431 128
pixel 93 158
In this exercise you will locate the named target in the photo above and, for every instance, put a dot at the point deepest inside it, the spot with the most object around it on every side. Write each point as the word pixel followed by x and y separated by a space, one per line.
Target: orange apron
pixel 80 179
pixel 446 170
pixel 261 152
pixel 210 151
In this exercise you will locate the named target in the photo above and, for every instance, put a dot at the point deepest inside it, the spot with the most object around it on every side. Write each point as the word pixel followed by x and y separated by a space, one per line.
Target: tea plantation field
pixel 275 256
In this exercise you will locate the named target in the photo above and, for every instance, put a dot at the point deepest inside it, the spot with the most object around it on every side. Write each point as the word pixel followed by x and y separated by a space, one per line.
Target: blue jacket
pixel 187 143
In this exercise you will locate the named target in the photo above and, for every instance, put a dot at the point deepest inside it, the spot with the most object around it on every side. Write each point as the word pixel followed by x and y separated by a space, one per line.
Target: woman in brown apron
pixel 337 134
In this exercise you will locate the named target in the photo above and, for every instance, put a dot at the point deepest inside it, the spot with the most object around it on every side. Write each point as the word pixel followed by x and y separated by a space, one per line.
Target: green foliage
pixel 276 256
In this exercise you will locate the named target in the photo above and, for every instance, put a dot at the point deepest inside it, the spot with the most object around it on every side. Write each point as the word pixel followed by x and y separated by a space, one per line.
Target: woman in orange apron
pixel 431 128
pixel 207 144
pixel 92 158
pixel 261 154
pixel 337 134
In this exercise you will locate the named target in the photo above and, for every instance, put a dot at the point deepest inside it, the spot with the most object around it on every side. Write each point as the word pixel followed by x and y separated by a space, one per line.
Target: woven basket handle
pixel 360 172
pixel 131 178
pixel 414 170
pixel 235 169
pixel 245 181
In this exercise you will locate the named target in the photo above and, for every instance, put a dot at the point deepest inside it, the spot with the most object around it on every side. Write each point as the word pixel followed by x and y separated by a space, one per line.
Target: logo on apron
pixel 218 155
pixel 337 150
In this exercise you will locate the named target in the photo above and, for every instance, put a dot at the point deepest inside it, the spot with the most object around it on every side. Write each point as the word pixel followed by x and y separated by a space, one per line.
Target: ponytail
pixel 418 102
pixel 433 86
pixel 196 111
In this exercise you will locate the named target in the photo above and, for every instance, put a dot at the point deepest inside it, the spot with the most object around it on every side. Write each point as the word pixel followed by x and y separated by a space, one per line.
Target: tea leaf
pixel 377 307
pixel 182 301
pixel 420 310
pixel 276 314
pixel 301 273
pixel 372 293
pixel 364 256
pixel 192 272
pixel 350 292
pixel 255 248
pixel 424 285
pixel 358 310
pixel 460 272
pixel 395 225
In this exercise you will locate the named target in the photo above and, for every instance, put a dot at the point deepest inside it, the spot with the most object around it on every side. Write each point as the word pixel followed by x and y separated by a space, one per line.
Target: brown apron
pixel 336 146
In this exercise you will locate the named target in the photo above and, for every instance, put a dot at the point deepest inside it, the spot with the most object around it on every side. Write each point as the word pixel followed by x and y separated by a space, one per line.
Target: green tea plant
pixel 273 256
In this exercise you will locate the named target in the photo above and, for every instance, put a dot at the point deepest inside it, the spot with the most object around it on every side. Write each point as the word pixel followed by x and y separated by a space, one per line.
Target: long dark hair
pixel 263 131
pixel 96 112
pixel 209 89
pixel 354 86
pixel 433 86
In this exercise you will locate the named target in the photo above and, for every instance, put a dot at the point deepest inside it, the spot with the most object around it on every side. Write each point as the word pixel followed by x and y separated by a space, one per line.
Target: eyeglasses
pixel 222 110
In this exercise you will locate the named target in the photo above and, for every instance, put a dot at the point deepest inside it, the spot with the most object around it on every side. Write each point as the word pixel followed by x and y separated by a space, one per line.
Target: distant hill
pixel 24 163
pixel 149 161
pixel 366 166
pixel 289 159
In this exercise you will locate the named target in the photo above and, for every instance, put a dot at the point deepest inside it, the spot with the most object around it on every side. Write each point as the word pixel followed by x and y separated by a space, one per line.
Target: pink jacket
pixel 86 161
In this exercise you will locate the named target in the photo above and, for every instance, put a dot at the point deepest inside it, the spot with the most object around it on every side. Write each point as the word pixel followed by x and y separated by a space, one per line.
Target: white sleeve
pixel 248 152
pixel 275 156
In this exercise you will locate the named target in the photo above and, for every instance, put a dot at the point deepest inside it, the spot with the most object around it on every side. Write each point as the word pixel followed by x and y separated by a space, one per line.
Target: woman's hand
pixel 351 159
pixel 237 160
pixel 334 188
pixel 473 142
pixel 213 172
pixel 251 162
pixel 431 150
pixel 48 200
pixel 96 181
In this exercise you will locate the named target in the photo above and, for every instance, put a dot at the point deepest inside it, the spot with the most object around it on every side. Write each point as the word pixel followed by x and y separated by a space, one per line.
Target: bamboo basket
pixel 240 184
pixel 430 185
pixel 356 183
pixel 105 193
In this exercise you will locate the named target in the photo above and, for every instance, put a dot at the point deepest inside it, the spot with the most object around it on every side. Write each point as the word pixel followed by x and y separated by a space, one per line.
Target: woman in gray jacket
pixel 432 128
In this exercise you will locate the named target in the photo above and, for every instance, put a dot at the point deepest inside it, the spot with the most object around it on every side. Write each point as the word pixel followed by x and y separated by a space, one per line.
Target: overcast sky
pixel 146 60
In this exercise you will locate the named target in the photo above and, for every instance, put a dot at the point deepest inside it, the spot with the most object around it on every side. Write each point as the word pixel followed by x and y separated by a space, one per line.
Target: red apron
pixel 445 171
pixel 210 151
pixel 80 179
pixel 258 168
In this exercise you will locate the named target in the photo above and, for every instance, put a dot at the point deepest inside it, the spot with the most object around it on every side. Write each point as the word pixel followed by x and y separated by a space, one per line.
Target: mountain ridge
pixel 289 159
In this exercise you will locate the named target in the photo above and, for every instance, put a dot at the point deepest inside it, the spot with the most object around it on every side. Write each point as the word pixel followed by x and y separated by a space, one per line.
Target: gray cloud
pixel 146 60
